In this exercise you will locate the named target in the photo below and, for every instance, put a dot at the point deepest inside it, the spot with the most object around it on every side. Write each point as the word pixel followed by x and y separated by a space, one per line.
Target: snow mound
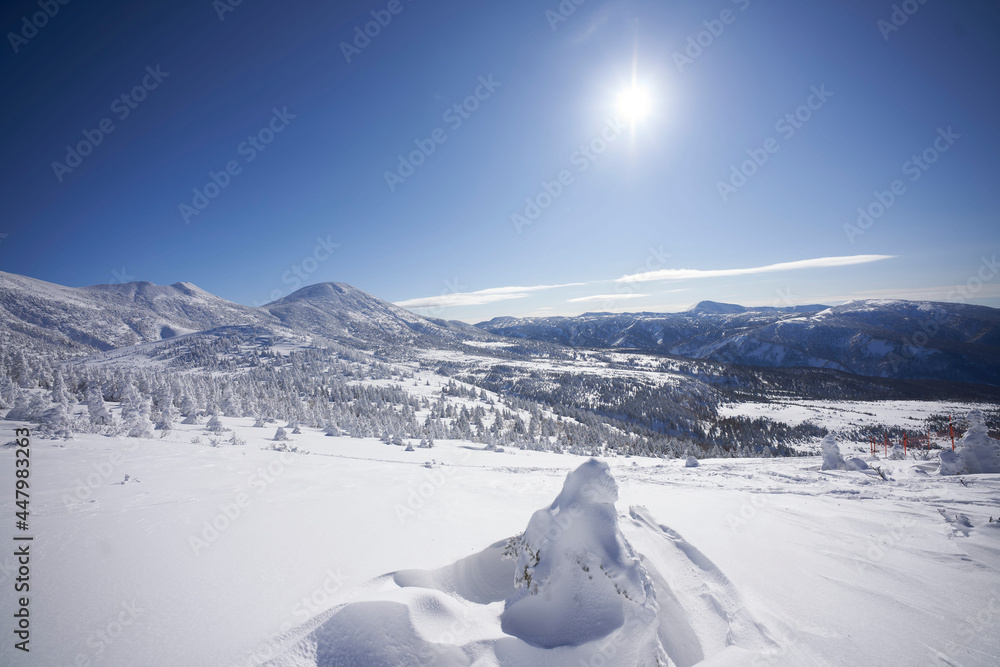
pixel 977 452
pixel 856 464
pixel 691 462
pixel 832 460
pixel 578 578
pixel 571 590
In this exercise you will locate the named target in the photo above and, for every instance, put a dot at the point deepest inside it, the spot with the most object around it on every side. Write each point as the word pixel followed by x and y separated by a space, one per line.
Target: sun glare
pixel 633 104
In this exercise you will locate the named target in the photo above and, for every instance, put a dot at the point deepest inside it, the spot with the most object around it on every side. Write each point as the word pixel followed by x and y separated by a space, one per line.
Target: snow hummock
pixel 578 577
pixel 978 453
pixel 691 462
pixel 832 460
pixel 570 590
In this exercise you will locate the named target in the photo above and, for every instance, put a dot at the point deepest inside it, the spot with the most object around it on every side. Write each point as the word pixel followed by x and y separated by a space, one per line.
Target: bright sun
pixel 633 104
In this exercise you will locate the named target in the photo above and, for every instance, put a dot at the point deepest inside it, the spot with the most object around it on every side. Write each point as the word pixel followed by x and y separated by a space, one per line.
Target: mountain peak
pixel 716 308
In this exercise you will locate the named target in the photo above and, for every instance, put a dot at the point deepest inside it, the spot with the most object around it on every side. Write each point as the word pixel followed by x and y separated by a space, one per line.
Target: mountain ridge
pixel 875 337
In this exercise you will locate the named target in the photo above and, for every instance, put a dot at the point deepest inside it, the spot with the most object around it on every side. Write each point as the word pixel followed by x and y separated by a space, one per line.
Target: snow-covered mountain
pixel 104 317
pixel 881 338
pixel 341 312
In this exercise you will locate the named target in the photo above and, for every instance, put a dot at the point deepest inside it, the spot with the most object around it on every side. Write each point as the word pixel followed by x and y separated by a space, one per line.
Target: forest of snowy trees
pixel 242 372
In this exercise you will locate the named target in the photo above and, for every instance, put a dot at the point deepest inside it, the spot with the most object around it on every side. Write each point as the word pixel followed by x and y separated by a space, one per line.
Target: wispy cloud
pixel 495 294
pixel 605 297
pixel 478 298
pixel 692 274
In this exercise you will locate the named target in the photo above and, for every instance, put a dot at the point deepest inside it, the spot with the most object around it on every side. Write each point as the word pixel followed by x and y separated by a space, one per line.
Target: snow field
pixel 759 561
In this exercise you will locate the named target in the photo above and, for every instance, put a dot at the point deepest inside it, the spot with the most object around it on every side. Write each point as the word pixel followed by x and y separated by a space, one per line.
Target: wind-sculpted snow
pixel 834 460
pixel 571 590
pixel 577 576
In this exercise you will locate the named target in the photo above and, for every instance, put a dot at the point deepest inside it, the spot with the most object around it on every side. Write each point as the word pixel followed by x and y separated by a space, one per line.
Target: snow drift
pixel 571 590
pixel 578 578
pixel 978 453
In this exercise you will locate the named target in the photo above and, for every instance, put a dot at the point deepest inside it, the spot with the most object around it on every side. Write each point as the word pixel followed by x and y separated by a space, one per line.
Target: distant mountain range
pixel 880 338
pixel 906 340
pixel 106 317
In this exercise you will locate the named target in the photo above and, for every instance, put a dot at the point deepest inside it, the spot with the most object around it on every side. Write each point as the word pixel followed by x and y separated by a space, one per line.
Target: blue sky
pixel 653 214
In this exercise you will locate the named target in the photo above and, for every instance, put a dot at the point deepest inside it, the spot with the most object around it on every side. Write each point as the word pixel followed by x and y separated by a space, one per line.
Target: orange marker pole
pixel 886 444
pixel 904 444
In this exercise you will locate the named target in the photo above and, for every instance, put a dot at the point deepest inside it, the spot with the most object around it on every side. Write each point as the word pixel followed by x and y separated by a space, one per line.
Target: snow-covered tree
pixel 214 425
pixel 56 422
pixel 96 408
pixel 135 413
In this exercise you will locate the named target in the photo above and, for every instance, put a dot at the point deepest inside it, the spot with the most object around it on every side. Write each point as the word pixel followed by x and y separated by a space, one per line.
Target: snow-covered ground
pixel 231 555
pixel 841 416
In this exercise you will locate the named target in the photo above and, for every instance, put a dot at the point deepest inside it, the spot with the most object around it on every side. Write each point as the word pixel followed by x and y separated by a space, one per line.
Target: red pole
pixel 952 430
pixel 886 444
pixel 904 444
